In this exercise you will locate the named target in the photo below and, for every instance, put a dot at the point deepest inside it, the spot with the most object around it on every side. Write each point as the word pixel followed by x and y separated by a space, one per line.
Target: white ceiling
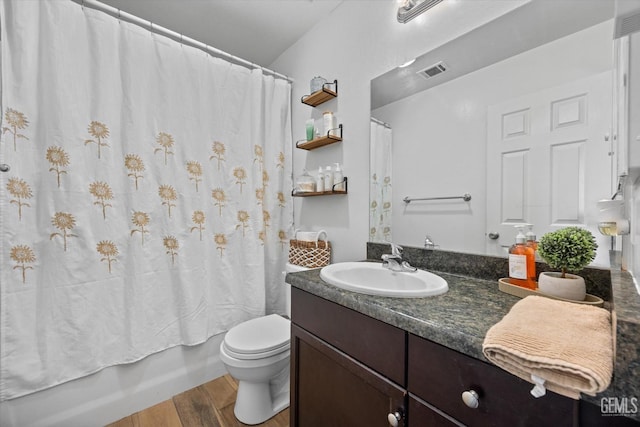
pixel 255 30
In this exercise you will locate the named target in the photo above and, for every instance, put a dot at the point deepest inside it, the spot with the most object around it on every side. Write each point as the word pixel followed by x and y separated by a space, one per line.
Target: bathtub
pixel 117 391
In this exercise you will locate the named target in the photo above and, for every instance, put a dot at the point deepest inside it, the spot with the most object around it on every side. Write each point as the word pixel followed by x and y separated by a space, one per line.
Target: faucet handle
pixel 428 242
pixel 396 249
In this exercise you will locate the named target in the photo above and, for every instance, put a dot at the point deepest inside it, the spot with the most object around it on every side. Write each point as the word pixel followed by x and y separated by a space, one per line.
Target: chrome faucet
pixel 428 243
pixel 394 261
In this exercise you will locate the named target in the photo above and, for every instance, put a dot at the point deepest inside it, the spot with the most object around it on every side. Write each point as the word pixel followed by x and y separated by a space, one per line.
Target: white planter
pixel 571 287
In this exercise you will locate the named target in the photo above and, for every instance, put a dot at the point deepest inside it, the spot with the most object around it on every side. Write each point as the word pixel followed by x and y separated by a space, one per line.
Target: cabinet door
pixel 422 414
pixel 329 388
pixel 439 376
pixel 374 343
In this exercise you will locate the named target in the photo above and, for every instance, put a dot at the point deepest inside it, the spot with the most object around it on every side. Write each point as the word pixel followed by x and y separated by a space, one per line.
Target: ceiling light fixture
pixel 406 64
pixel 412 8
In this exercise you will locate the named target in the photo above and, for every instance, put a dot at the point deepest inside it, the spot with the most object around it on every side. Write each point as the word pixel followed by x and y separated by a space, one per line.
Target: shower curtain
pixel 147 202
pixel 380 183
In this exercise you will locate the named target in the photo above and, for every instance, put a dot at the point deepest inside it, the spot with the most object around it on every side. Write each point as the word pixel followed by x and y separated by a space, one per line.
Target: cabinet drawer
pixel 421 414
pixel 376 344
pixel 440 375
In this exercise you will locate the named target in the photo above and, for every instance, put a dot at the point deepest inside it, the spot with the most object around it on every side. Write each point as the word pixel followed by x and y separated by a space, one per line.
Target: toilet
pixel 257 353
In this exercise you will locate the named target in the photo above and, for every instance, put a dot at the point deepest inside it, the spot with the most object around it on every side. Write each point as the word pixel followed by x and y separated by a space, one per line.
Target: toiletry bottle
pixel 334 126
pixel 532 242
pixel 531 238
pixel 310 129
pixel 522 263
pixel 327 120
pixel 320 181
pixel 338 178
pixel 328 179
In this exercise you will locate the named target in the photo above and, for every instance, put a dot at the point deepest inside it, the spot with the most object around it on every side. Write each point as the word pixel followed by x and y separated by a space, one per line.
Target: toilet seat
pixel 258 338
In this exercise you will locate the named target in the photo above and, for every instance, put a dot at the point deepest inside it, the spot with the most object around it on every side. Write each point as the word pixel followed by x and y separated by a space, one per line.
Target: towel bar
pixel 466 197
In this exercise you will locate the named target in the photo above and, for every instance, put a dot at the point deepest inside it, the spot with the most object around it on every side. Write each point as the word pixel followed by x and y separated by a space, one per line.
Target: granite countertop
pixel 460 318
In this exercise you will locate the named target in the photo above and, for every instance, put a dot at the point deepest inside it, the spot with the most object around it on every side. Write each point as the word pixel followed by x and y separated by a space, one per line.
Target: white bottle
pixel 328 120
pixel 328 179
pixel 320 181
pixel 338 178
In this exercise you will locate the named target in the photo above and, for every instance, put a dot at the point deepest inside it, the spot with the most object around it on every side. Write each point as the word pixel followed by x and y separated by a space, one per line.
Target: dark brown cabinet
pixel 440 376
pixel 422 414
pixel 329 388
pixel 351 370
pixel 347 369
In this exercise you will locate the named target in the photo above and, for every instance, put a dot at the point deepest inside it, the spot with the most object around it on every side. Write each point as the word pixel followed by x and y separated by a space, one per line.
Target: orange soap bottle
pixel 522 263
pixel 531 239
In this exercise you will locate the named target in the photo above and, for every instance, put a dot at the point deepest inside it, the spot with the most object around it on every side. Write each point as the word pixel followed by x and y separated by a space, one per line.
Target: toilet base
pixel 256 402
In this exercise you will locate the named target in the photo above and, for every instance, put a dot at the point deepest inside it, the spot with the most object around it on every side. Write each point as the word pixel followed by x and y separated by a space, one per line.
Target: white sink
pixel 372 278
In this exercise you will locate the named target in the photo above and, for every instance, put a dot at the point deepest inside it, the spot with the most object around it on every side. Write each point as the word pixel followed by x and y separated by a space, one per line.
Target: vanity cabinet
pixel 349 369
pixel 423 414
pixel 439 376
pixel 330 388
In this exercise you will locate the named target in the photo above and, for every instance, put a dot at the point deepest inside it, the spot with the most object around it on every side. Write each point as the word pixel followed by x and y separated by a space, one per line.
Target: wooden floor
pixel 208 405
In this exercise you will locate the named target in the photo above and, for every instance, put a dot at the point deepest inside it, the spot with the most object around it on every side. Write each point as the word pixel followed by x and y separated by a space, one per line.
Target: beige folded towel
pixel 568 345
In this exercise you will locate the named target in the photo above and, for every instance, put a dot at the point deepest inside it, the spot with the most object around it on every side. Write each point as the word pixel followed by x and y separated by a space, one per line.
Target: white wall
pixel 357 42
pixel 439 137
pixel 631 243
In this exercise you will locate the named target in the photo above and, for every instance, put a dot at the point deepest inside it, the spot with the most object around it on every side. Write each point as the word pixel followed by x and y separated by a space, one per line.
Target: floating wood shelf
pixel 320 96
pixel 321 141
pixel 324 193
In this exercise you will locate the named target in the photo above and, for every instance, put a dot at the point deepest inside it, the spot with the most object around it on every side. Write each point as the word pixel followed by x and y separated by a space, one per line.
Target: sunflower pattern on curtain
pixel 147 203
pixel 380 183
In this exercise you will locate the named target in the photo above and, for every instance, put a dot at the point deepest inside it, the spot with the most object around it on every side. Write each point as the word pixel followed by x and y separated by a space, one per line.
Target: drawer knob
pixel 394 418
pixel 471 399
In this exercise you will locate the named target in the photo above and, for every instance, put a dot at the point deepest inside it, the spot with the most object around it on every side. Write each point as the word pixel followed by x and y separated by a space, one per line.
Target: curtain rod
pixel 380 122
pixel 120 14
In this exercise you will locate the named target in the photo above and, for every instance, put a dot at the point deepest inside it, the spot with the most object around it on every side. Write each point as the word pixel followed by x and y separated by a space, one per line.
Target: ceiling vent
pixel 627 24
pixel 433 70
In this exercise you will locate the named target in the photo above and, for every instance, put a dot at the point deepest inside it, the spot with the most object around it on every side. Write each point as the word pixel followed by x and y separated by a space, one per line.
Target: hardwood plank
pixel 232 381
pixel 210 404
pixel 228 418
pixel 196 409
pixel 280 420
pixel 163 414
pixel 124 422
pixel 221 392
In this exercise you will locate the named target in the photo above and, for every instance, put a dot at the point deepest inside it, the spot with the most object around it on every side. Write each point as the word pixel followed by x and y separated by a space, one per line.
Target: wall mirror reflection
pixel 519 118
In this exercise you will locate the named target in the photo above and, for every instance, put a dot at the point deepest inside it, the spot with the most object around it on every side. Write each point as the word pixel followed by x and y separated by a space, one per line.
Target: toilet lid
pixel 259 335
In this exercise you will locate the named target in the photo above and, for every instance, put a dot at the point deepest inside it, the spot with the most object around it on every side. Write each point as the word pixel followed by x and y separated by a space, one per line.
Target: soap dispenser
pixel 531 238
pixel 522 262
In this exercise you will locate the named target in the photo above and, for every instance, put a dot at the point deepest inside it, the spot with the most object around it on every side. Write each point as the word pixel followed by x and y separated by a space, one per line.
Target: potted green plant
pixel 569 249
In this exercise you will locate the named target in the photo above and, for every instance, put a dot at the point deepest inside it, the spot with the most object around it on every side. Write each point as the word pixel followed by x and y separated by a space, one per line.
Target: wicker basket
pixel 310 254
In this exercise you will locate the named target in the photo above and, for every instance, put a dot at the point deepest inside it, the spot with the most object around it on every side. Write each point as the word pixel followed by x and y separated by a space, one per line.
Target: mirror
pixel 516 115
